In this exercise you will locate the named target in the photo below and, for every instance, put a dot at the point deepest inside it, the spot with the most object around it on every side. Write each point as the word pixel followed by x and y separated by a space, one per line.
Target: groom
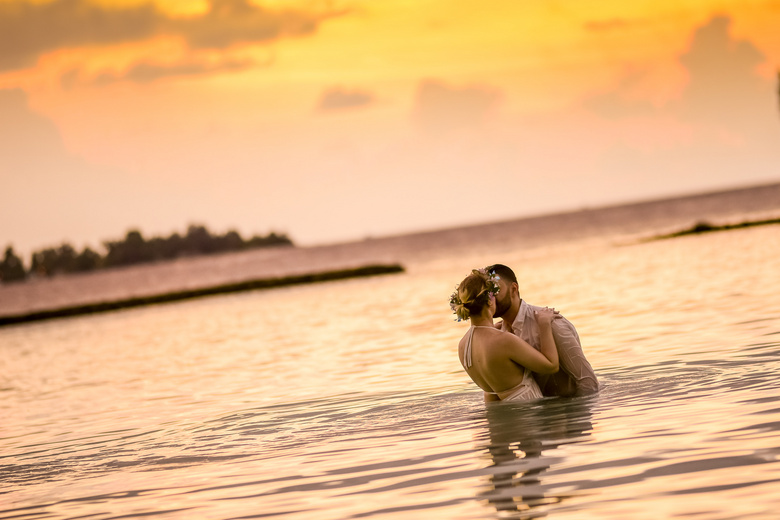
pixel 576 376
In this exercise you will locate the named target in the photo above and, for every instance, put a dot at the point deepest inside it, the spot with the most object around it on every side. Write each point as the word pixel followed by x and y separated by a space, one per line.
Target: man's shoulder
pixel 534 308
pixel 559 324
pixel 530 309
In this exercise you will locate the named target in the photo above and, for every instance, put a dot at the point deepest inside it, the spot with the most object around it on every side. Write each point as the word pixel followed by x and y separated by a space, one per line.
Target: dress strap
pixel 467 350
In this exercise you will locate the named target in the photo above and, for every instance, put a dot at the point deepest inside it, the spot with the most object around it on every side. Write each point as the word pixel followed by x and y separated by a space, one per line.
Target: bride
pixel 500 363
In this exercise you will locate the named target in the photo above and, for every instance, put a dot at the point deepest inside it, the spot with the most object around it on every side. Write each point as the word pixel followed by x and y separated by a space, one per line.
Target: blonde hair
pixel 473 294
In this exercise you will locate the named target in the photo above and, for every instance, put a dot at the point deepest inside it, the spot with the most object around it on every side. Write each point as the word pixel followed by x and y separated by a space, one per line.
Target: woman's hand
pixel 546 316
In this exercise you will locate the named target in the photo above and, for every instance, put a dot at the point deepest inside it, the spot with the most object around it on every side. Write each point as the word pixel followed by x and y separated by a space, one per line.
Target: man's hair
pixel 503 272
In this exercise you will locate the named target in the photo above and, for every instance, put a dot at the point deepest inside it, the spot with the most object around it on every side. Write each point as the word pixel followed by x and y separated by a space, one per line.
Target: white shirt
pixel 576 376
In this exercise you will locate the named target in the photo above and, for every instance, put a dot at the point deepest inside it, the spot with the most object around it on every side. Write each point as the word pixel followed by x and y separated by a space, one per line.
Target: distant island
pixel 133 249
pixel 706 227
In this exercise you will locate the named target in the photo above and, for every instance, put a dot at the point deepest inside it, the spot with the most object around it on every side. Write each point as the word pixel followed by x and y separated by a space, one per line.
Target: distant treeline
pixel 706 227
pixel 134 249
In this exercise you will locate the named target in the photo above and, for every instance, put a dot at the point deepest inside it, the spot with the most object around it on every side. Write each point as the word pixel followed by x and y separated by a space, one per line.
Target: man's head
pixel 509 293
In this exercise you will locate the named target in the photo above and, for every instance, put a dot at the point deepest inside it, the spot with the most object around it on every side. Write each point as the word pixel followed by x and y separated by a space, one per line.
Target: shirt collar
pixel 520 318
pixel 517 325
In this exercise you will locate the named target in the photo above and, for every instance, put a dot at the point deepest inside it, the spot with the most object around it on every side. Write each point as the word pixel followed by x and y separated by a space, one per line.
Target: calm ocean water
pixel 346 399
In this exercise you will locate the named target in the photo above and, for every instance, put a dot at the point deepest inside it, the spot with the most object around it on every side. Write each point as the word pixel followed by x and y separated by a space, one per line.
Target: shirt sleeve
pixel 572 359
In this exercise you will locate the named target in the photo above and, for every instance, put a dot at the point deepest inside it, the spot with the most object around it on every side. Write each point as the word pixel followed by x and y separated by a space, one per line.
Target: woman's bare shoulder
pixel 500 339
pixel 499 335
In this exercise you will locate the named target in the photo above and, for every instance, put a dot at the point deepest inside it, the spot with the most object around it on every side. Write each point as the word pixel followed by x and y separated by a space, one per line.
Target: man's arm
pixel 572 358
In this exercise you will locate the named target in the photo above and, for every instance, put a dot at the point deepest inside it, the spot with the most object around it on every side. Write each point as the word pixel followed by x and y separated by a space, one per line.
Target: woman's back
pixel 488 362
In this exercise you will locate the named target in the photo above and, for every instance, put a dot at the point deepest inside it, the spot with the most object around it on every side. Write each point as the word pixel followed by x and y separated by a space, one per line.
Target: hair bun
pixel 473 293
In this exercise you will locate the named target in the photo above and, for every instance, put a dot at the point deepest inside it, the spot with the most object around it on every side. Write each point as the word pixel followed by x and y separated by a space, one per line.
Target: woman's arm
pixel 545 318
pixel 544 362
pixel 524 354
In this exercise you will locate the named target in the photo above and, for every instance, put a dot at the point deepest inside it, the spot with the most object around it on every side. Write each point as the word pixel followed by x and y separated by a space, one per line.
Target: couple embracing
pixel 533 352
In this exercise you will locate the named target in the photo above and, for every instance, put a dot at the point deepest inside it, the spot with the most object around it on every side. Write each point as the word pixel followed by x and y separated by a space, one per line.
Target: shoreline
pixel 249 285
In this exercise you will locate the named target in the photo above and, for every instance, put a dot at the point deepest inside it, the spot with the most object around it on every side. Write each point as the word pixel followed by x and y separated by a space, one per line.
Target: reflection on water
pixel 522 441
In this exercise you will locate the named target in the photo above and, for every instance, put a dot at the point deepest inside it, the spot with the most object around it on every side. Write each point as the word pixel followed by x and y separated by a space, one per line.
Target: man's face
pixel 503 298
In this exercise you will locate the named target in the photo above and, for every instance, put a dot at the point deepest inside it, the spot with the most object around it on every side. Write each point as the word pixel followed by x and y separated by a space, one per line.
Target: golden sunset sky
pixel 338 120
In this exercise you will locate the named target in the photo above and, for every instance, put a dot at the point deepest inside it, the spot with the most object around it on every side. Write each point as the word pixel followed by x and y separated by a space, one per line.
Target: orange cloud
pixel 440 107
pixel 723 88
pixel 723 74
pixel 144 72
pixel 340 98
pixel 29 30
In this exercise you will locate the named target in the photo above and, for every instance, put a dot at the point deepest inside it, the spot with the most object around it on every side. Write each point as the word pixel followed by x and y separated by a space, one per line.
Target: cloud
pixel 724 85
pixel 724 123
pixel 47 192
pixel 340 98
pixel 50 194
pixel 23 134
pixel 146 72
pixel 28 30
pixel 724 88
pixel 620 101
pixel 439 107
pixel 230 22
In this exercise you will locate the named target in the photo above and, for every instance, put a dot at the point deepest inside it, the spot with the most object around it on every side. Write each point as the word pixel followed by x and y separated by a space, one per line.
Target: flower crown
pixel 491 287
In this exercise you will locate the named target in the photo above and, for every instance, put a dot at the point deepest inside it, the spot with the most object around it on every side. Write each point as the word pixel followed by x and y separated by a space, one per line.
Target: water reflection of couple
pixel 521 439
pixel 534 352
